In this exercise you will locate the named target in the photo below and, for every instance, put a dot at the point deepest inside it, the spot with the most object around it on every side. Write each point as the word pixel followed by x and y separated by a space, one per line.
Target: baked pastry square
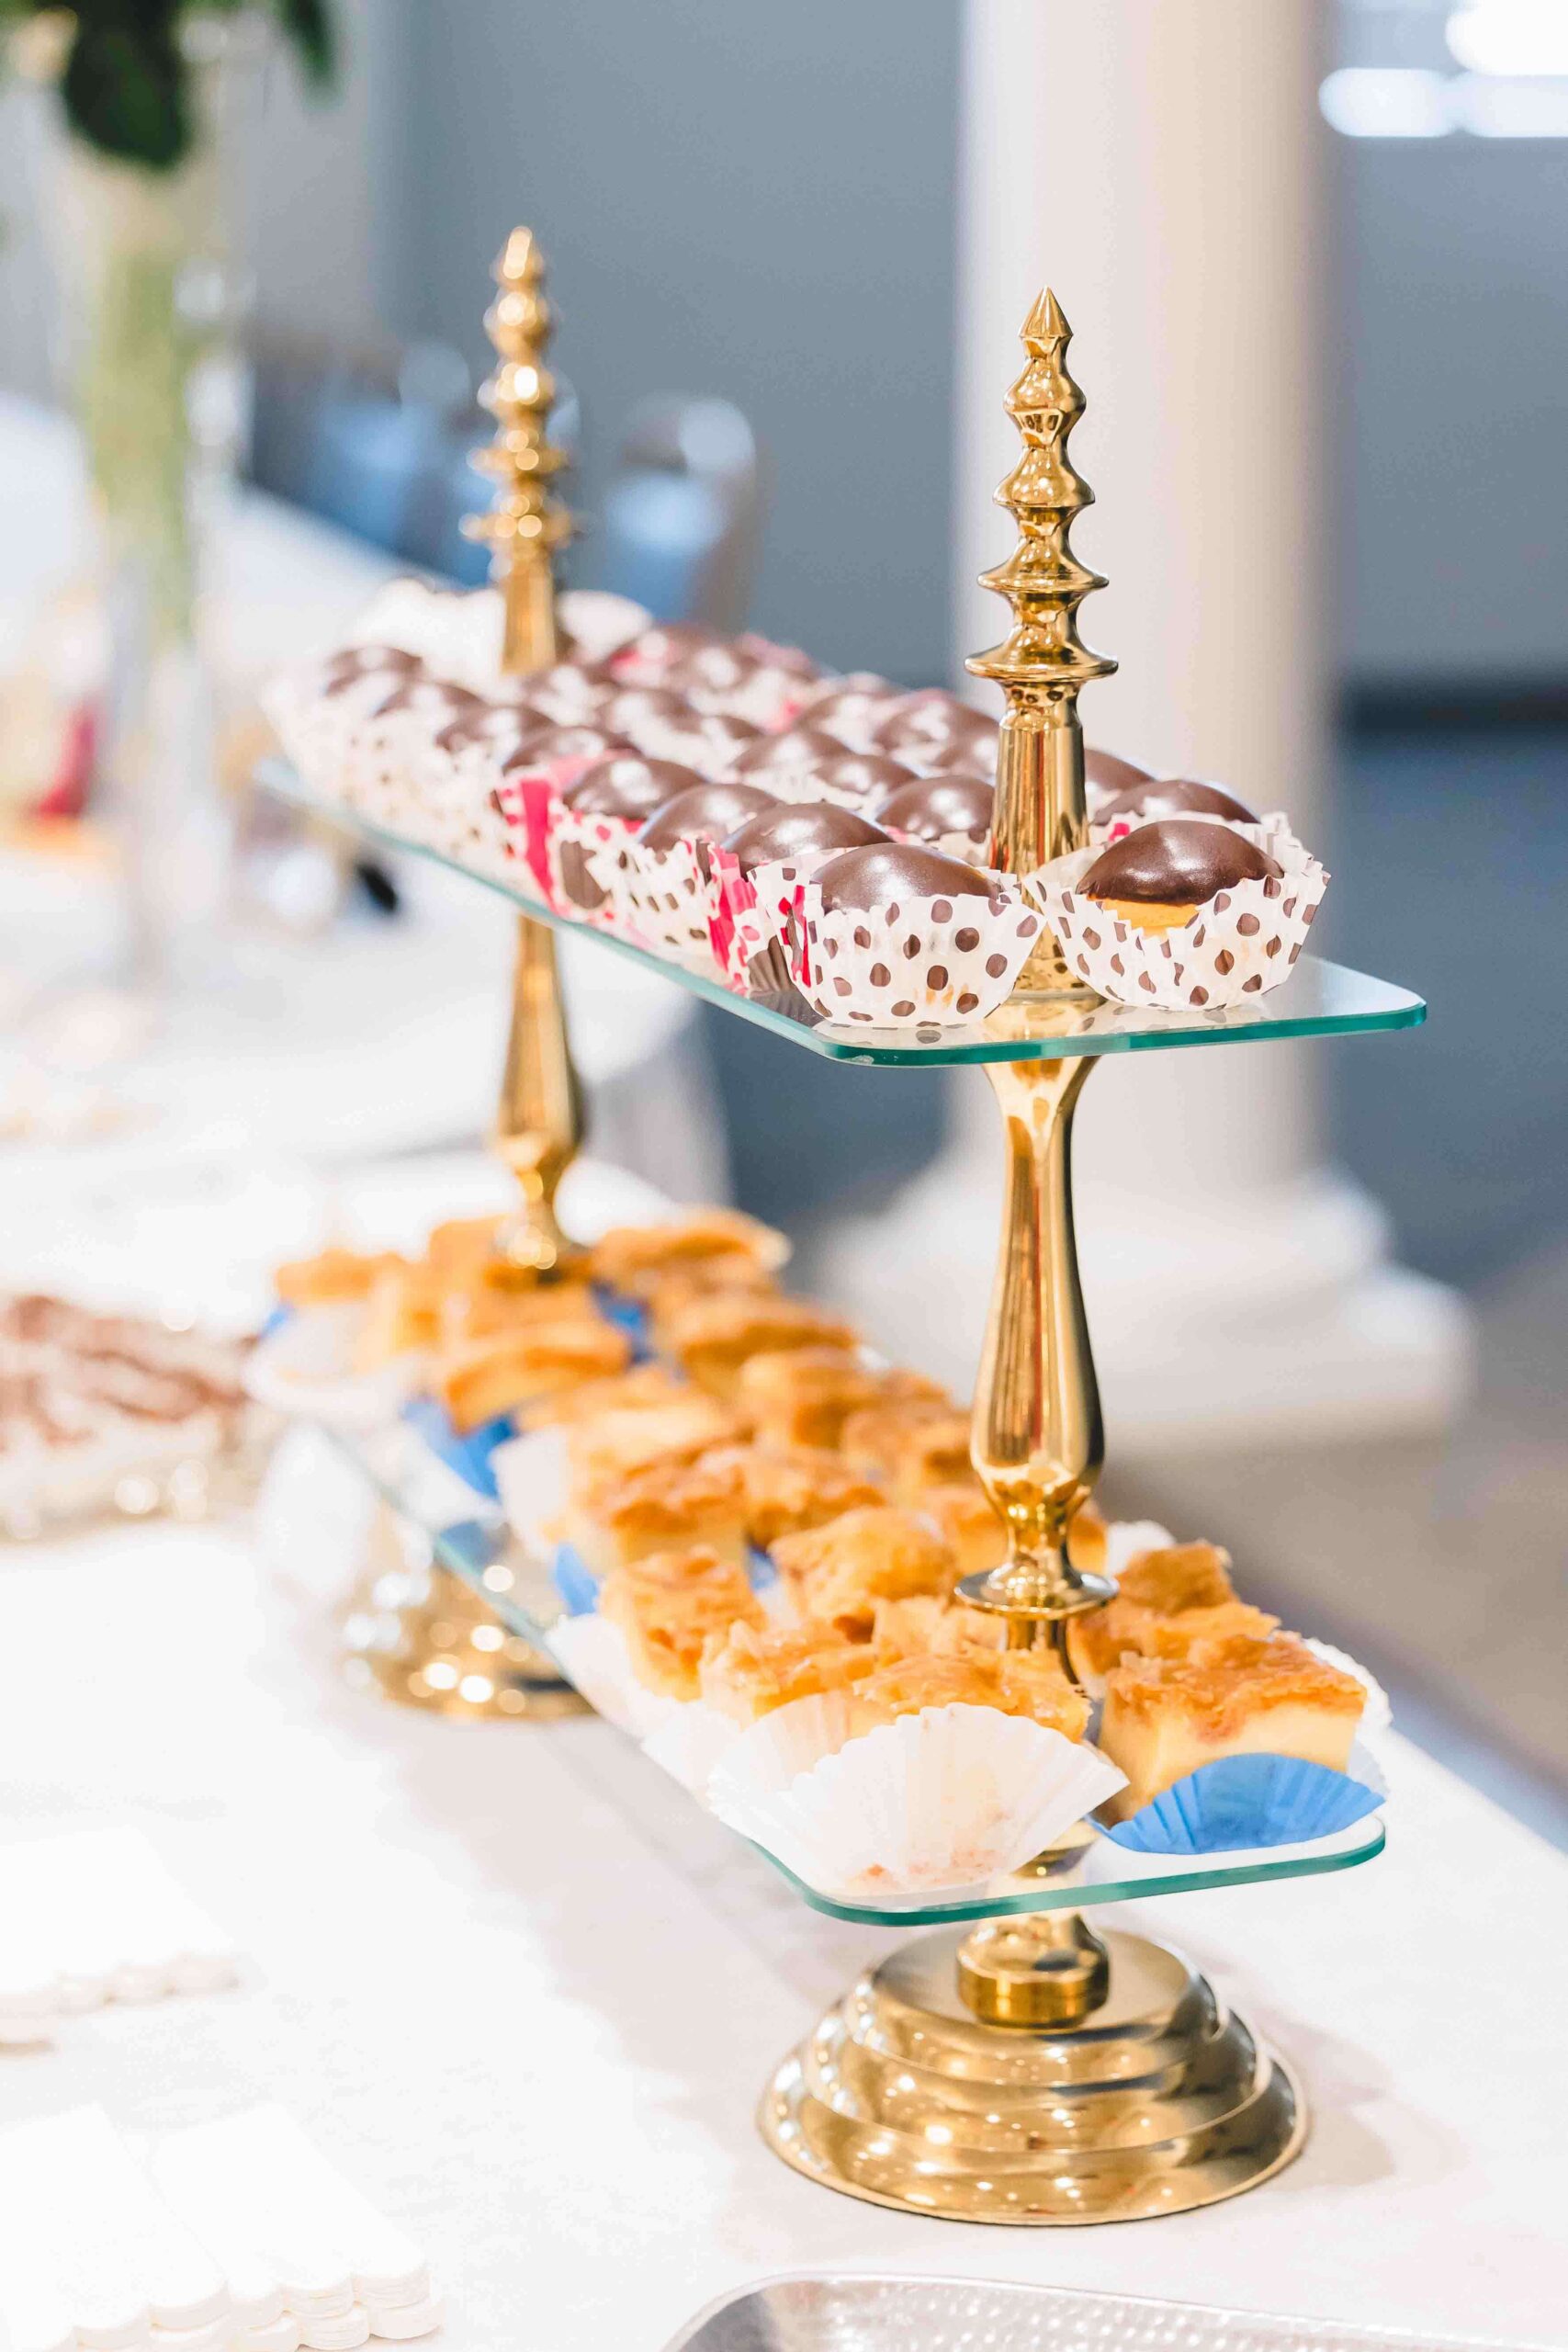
pixel 1016 1682
pixel 609 1445
pixel 750 1673
pixel 1166 1717
pixel 803 1396
pixel 646 1386
pixel 711 1337
pixel 480 1378
pixel 625 1258
pixel 332 1277
pixel 926 1626
pixel 402 1317
pixel 790 1491
pixel 670 1607
pixel 840 1572
pixel 661 1507
pixel 1167 1601
pixel 874 1439
pixel 971 1523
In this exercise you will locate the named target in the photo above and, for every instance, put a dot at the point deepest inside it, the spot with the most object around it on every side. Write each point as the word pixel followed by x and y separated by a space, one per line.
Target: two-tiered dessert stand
pixel 1013 2066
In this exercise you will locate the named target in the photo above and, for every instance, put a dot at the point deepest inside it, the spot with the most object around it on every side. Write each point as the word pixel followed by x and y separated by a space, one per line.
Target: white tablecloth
pixel 522 1991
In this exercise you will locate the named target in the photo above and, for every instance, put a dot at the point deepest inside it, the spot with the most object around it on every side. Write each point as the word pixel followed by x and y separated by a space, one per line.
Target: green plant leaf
pixel 308 24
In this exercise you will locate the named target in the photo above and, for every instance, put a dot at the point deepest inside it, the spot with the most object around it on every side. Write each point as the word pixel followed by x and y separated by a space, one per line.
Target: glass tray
pixel 481 1549
pixel 1320 999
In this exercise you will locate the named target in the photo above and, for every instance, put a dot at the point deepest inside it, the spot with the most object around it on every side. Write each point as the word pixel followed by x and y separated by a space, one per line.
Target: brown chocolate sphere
pixel 505 726
pixel 624 784
pixel 800 747
pixel 885 880
pixel 928 806
pixel 636 711
pixel 1177 861
pixel 1110 773
pixel 1162 796
pixel 552 744
pixel 866 776
pixel 933 730
pixel 661 647
pixel 707 812
pixel 807 830
pixel 852 708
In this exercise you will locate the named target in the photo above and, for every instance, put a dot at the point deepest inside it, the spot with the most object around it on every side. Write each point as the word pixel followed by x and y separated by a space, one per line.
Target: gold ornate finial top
pixel 1042 662
pixel 528 523
pixel 1043 579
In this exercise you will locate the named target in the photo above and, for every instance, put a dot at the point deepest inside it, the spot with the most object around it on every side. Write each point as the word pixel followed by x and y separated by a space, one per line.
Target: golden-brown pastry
pixel 475 1308
pixel 750 1673
pixel 926 1626
pixel 625 1258
pixel 462 1247
pixel 803 1396
pixel 478 1379
pixel 874 1438
pixel 932 1452
pixel 712 1336
pixel 665 1293
pixel 1001 1679
pixel 661 1507
pixel 670 1607
pixel 1167 1601
pixel 646 1386
pixel 1086 1540
pixel 1165 1717
pixel 840 1571
pixel 402 1317
pixel 332 1277
pixel 613 1443
pixel 971 1523
pixel 789 1490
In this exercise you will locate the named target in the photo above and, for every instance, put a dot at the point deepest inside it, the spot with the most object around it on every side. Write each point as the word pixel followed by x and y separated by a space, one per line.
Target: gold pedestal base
pixel 417 1633
pixel 1157 2101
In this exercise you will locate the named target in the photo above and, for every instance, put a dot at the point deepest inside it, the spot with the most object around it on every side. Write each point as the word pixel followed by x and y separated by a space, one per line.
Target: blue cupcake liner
pixel 469 1456
pixel 277 1317
pixel 1242 1802
pixel 578 1586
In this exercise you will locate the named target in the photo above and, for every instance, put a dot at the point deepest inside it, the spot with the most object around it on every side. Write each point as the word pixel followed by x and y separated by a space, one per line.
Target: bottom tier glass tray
pixel 471 1539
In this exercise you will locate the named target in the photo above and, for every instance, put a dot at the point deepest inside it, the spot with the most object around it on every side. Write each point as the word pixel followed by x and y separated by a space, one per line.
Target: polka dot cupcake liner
pixel 925 961
pixel 662 894
pixel 1239 947
pixel 587 856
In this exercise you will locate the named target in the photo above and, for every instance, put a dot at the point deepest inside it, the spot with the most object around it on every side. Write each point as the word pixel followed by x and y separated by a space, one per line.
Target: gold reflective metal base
pixel 416 1633
pixel 1157 2101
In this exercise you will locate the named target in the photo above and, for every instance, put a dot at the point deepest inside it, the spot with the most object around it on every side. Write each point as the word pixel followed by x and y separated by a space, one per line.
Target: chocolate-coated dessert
pixel 799 828
pixel 1173 796
pixel 1177 861
pixel 935 729
pixel 1109 773
pixel 712 670
pixel 861 775
pixel 852 708
pixel 634 710
pixel 886 879
pixel 624 785
pixel 769 656
pixel 661 648
pixel 505 726
pixel 340 670
pixel 801 747
pixel 929 807
pixel 553 743
pixel 705 813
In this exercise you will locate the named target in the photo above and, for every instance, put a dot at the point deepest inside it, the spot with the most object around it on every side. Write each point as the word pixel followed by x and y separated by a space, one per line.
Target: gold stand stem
pixel 539 1121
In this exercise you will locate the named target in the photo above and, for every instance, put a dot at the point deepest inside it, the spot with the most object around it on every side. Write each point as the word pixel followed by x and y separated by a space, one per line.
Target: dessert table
pixel 554 2091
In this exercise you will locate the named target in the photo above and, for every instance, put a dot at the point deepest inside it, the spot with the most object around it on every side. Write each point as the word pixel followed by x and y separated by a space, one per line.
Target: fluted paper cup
pixel 662 894
pixel 750 917
pixel 928 960
pixel 948 1798
pixel 305 1366
pixel 689 1743
pixel 1240 946
pixel 594 1657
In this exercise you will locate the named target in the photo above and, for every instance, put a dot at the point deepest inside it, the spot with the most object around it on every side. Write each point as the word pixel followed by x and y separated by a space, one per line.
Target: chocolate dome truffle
pixel 633 710
pixel 624 784
pixel 802 747
pixel 1107 772
pixel 705 813
pixel 550 744
pixel 808 829
pixel 860 776
pixel 887 878
pixel 1160 796
pixel 852 708
pixel 1160 874
pixel 927 808
pixel 933 730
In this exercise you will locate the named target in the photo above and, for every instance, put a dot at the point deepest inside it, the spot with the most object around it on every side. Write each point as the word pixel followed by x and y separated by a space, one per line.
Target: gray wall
pixel 1450 473
pixel 737 198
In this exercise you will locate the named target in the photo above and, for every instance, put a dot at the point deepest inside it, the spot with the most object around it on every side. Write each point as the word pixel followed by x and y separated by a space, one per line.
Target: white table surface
pixel 528 1996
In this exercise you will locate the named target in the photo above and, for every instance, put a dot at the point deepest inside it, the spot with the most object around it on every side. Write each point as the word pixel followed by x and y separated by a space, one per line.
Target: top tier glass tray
pixel 470 1537
pixel 1320 999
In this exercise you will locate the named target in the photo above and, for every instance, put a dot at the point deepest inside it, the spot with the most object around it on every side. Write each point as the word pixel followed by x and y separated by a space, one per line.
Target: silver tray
pixel 851 2314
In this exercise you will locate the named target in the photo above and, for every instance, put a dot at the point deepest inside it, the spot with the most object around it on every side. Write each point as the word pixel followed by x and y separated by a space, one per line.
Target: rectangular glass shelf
pixel 480 1550
pixel 1319 1000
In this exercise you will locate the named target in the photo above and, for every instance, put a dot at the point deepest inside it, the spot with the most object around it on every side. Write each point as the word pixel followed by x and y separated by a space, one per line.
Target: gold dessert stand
pixel 429 1641
pixel 1027 2070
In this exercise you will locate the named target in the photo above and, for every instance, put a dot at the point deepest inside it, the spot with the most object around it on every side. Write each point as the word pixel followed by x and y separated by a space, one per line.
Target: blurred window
pixel 1425 69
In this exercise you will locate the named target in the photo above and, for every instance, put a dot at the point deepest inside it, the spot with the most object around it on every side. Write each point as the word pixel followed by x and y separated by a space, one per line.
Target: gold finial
pixel 1043 663
pixel 527 524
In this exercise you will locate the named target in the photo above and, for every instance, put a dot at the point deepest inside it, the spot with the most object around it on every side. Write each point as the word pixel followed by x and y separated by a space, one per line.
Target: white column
pixel 1159 164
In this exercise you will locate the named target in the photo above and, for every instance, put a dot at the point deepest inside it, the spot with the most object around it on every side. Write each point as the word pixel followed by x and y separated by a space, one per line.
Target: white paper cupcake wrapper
pixel 305 1366
pixel 594 1657
pixel 1239 947
pixel 530 1472
pixel 948 1798
pixel 940 960
pixel 663 894
pixel 750 917
pixel 690 1742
